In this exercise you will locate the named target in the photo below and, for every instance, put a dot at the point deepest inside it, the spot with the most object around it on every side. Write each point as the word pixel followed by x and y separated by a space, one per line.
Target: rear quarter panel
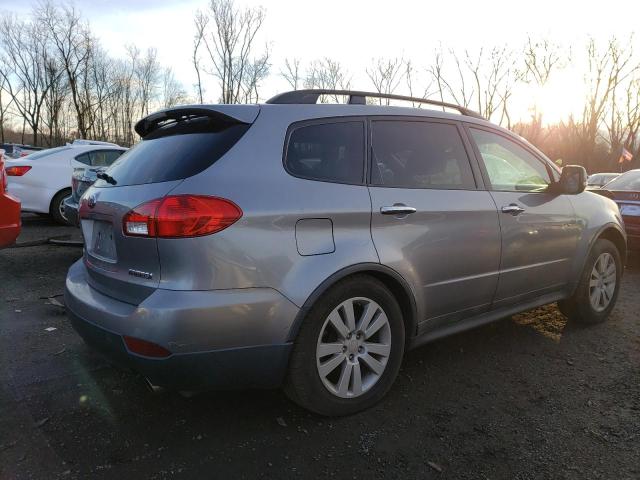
pixel 260 249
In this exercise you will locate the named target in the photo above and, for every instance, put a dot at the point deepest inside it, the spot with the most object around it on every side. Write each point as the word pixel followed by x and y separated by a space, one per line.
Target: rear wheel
pixel 349 349
pixel 57 207
pixel 599 285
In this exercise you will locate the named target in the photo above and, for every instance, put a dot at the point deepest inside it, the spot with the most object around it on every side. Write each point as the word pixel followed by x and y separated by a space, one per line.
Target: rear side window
pixel 167 156
pixel 412 154
pixel 104 158
pixel 331 152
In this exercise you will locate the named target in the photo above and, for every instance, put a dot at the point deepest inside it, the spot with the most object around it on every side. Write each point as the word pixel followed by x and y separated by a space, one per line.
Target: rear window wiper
pixel 106 177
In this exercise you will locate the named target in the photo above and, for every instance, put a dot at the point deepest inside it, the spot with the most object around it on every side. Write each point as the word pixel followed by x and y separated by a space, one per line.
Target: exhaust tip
pixel 155 389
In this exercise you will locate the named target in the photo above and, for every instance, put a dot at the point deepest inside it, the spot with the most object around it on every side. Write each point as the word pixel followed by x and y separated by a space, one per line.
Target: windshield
pixel 47 152
pixel 626 181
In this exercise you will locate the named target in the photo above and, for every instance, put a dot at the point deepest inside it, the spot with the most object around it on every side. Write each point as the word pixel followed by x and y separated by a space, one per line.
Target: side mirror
pixel 573 180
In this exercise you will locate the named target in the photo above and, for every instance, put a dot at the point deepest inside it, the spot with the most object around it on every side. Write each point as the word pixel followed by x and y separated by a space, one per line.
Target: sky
pixel 355 32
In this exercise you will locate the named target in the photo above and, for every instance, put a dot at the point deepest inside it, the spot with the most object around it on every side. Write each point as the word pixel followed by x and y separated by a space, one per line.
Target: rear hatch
pixel 176 144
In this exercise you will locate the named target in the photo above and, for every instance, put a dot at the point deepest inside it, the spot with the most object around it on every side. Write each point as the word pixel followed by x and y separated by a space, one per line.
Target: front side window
pixel 332 152
pixel 509 166
pixel 415 154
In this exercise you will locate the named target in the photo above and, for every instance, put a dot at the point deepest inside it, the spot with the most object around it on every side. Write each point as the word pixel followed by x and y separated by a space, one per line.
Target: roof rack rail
pixel 311 96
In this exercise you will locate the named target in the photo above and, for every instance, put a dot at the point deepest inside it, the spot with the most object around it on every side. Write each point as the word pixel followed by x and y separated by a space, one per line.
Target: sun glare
pixel 562 96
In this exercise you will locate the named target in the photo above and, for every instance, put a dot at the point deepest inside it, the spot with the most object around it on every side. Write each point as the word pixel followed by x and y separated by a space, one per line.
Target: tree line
pixel 58 83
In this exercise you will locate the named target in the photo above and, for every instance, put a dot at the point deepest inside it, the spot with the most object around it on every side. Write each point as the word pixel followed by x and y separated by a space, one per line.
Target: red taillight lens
pixel 17 171
pixel 144 348
pixel 179 216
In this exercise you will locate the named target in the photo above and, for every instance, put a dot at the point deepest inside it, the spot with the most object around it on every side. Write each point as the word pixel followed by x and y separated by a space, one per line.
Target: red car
pixel 9 210
pixel 625 191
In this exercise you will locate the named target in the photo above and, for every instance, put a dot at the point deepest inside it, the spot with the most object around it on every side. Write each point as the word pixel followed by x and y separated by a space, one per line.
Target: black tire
pixel 56 204
pixel 304 385
pixel 578 307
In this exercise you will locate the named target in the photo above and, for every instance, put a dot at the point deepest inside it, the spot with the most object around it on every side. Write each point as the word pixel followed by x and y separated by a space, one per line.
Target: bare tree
pixel 5 102
pixel 172 92
pixel 483 81
pixel 201 21
pixel 386 74
pixel 72 41
pixel 229 37
pixel 328 74
pixel 607 70
pixel 291 72
pixel 147 75
pixel 410 77
pixel 25 50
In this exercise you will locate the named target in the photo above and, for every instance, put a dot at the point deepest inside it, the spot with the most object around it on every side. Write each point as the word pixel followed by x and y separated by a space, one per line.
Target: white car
pixel 42 180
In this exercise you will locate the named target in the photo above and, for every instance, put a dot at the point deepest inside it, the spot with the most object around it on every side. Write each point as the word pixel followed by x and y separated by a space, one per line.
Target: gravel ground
pixel 530 397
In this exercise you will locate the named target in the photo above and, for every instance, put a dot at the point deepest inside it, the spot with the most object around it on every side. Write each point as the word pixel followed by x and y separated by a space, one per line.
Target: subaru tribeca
pixel 310 245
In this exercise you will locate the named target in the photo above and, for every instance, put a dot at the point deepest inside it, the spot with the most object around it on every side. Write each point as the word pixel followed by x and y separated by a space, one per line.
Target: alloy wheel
pixel 602 283
pixel 353 347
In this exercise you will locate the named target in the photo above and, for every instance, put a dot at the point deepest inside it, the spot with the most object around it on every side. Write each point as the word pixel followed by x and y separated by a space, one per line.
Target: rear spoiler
pixel 224 113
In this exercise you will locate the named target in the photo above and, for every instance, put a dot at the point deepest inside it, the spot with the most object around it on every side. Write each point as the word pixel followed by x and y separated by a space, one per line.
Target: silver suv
pixel 310 245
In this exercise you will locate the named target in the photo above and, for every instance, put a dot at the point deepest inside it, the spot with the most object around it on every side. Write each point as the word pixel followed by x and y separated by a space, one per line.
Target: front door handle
pixel 513 209
pixel 397 210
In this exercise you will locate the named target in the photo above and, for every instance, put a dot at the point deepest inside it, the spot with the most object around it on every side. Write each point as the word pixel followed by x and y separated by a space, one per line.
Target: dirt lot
pixel 527 397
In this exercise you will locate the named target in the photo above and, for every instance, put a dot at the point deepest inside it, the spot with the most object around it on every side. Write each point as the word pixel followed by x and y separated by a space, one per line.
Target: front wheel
pixel 349 349
pixel 599 285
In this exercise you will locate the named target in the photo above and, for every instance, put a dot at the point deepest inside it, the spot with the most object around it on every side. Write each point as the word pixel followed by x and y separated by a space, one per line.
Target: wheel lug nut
pixel 351 357
pixel 344 348
pixel 360 349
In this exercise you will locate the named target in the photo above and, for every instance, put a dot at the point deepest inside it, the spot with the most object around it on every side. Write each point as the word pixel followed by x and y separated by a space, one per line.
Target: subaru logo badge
pixel 91 201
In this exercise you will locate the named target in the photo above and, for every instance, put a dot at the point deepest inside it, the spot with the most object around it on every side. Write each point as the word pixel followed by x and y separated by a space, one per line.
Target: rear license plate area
pixel 99 240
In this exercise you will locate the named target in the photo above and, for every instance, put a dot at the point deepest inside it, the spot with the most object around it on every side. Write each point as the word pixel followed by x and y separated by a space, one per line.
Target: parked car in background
pixel 42 180
pixel 81 179
pixel 16 150
pixel 597 180
pixel 308 245
pixel 9 210
pixel 625 191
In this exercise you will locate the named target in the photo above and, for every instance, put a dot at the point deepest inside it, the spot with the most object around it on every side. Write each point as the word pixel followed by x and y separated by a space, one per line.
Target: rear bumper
pixel 71 211
pixel 218 339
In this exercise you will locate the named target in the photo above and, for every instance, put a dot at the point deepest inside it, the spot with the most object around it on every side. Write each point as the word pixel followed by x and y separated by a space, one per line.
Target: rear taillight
pixel 179 216
pixel 17 171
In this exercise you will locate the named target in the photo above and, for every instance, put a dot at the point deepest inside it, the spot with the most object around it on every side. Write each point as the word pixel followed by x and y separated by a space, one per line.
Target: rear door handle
pixel 513 209
pixel 397 210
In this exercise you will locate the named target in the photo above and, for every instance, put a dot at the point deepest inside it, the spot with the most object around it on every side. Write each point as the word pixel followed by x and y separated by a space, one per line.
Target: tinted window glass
pixel 84 158
pixel 104 158
pixel 419 155
pixel 173 157
pixel 626 181
pixel 331 151
pixel 510 167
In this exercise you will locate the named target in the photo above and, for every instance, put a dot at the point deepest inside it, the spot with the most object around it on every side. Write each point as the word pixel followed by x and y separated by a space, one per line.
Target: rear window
pixel 330 152
pixel 174 154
